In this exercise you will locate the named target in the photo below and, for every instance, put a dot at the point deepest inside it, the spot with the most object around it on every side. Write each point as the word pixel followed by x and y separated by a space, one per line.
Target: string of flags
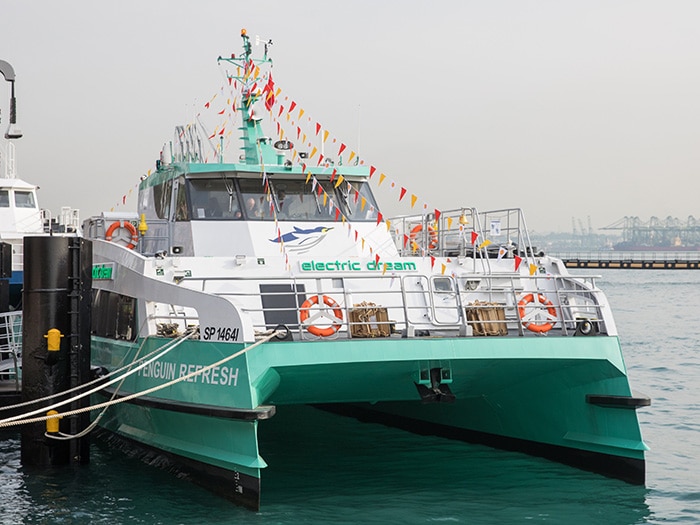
pixel 288 118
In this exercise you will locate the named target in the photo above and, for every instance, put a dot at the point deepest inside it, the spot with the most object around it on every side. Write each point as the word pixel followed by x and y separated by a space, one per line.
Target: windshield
pixel 282 199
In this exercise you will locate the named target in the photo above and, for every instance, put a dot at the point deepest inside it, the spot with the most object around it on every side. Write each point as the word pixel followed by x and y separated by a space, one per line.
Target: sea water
pixel 337 470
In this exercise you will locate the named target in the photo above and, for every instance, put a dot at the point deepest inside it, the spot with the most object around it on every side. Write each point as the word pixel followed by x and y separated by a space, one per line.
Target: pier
pixel 661 260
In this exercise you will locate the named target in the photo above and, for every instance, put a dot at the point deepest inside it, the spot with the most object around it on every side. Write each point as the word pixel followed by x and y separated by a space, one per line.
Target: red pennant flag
pixel 437 214
pixel 222 112
pixel 206 105
pixel 335 171
pixel 337 213
pixel 292 106
pixel 403 192
pixel 341 149
pixel 405 240
pixel 212 135
pixel 222 131
pixel 318 128
pixel 320 159
pixel 124 199
pixel 357 196
pixel 518 260
pixel 475 236
pixel 372 169
pixel 281 110
pixel 298 132
pixel 432 261
pixel 379 217
pixel 376 259
pixel 320 190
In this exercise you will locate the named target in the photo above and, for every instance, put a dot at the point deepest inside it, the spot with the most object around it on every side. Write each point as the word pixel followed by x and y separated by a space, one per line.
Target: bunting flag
pixel 381 178
pixel 318 128
pixel 380 217
pixel 501 253
pixel 413 200
pixel 432 262
pixel 518 260
pixel 372 169
pixel 533 269
pixel 341 149
pixel 402 194
pixel 484 244
pixel 475 236
pixel 443 269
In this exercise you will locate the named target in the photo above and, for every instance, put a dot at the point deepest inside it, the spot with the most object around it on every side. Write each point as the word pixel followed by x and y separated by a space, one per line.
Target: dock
pixel 631 260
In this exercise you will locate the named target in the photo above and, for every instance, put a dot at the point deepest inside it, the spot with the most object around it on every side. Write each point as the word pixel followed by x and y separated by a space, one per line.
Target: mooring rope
pixel 15 422
pixel 175 344
pixel 97 379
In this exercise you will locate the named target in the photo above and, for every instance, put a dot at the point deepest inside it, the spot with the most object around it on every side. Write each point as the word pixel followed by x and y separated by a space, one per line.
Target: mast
pixel 255 101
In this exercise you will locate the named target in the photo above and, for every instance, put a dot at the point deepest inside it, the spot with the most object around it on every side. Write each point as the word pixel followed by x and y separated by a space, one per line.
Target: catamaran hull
pixel 567 399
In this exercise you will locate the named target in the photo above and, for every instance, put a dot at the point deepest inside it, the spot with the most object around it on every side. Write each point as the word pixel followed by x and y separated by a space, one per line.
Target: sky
pixel 568 110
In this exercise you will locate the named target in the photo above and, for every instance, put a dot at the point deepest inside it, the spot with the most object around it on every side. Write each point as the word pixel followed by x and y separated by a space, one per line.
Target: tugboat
pixel 245 287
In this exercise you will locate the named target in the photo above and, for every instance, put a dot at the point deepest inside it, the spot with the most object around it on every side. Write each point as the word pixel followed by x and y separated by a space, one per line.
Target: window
pixel 113 315
pixel 161 197
pixel 214 199
pixel 358 201
pixel 24 199
pixel 4 199
pixel 182 212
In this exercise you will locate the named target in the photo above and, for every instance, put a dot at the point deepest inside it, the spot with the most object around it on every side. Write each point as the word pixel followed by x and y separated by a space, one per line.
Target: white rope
pixel 101 386
pixel 13 422
pixel 96 380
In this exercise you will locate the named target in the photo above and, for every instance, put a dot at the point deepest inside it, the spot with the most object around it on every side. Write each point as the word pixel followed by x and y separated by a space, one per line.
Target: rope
pixel 12 422
pixel 97 379
pixel 96 389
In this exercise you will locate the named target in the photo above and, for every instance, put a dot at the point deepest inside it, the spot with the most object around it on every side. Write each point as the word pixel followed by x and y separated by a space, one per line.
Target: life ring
pixel 315 330
pixel 432 236
pixel 531 321
pixel 130 228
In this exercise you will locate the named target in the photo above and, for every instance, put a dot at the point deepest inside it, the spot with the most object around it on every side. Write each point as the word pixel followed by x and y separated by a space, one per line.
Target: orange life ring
pixel 130 228
pixel 315 330
pixel 537 326
pixel 432 236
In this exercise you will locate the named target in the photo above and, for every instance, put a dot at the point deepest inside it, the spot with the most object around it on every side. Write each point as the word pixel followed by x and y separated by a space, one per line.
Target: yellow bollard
pixel 52 424
pixel 53 340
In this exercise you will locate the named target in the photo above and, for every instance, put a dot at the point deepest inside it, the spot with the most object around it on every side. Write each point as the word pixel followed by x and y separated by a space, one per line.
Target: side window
pixel 182 212
pixel 161 197
pixel 4 199
pixel 24 199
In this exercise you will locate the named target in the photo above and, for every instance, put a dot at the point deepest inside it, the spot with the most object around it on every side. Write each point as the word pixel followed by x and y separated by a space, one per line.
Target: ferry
pixel 271 280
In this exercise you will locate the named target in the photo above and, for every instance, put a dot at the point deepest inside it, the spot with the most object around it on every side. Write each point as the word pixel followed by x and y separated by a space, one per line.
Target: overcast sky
pixel 568 109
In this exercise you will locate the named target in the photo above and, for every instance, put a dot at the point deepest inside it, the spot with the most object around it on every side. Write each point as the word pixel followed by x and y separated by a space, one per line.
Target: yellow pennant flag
pixel 449 222
pixel 484 244
pixel 308 177
pixel 388 225
pixel 352 155
pixel 533 269
pixel 443 269
pixel 301 112
pixel 340 180
pixel 313 152
pixel 363 202
pixel 257 72
pixel 413 200
pixel 325 135
pixel 363 239
pixel 381 178
pixel 277 93
pixel 325 198
pixel 384 265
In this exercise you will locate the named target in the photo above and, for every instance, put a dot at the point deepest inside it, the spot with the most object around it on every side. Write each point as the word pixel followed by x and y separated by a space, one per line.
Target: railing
pixel 413 306
pixel 11 349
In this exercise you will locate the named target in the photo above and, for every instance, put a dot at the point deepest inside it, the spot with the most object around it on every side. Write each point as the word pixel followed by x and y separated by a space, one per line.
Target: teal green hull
pixel 531 390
